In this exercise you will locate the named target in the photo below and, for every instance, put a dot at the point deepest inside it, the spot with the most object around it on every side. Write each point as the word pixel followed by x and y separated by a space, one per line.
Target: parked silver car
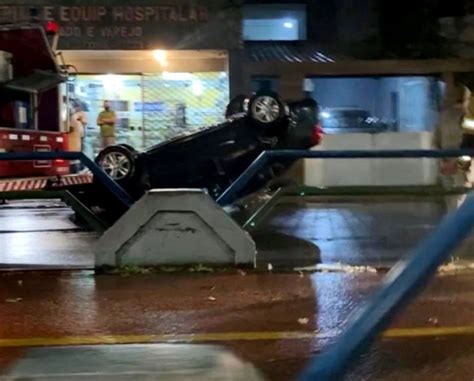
pixel 351 120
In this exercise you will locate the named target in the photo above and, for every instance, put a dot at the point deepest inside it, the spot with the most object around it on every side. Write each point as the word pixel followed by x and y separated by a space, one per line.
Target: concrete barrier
pixel 372 172
pixel 175 227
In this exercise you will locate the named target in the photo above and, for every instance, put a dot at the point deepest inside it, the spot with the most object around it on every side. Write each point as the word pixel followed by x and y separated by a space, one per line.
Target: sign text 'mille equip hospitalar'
pixel 167 24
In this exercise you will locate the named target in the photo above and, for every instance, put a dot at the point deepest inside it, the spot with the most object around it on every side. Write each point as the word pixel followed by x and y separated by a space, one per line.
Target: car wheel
pixel 266 109
pixel 118 162
pixel 129 147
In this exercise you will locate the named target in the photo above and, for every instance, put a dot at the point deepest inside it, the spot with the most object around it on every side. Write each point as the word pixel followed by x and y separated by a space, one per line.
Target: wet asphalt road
pixel 370 232
pixel 276 321
pixel 40 233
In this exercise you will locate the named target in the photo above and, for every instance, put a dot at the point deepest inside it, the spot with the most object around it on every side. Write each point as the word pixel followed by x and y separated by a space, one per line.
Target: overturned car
pixel 213 157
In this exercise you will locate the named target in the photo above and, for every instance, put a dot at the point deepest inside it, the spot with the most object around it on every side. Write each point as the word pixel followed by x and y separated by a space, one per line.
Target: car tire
pixel 266 109
pixel 129 147
pixel 119 162
pixel 237 105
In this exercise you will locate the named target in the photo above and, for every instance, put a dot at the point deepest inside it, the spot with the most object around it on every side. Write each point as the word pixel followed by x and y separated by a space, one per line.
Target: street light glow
pixel 161 57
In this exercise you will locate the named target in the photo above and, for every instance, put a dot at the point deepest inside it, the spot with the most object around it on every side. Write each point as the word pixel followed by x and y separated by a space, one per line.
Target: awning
pixel 285 51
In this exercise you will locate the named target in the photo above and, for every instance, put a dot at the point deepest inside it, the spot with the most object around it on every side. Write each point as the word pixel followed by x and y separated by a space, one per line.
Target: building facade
pixel 371 99
pixel 163 65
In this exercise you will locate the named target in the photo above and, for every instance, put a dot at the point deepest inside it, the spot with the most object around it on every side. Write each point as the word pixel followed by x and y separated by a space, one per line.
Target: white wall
pixel 343 172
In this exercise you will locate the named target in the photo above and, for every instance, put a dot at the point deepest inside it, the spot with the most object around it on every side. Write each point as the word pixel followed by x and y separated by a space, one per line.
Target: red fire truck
pixel 33 99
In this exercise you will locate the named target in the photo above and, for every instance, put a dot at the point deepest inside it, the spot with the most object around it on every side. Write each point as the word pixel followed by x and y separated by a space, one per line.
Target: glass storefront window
pixel 151 108
pixel 377 104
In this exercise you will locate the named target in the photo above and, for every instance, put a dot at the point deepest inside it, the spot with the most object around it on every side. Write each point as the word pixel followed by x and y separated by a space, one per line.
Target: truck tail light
pixel 52 28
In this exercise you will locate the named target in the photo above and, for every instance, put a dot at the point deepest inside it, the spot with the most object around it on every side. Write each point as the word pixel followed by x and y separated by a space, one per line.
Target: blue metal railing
pixel 99 174
pixel 402 283
pixel 267 157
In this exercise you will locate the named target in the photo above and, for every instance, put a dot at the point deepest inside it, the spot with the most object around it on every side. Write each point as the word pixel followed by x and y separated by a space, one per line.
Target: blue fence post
pixel 105 179
pixel 401 285
pixel 231 193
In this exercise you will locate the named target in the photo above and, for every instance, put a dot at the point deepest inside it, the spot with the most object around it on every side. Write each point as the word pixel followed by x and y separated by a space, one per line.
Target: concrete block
pixel 175 227
pixel 340 172
pixel 403 171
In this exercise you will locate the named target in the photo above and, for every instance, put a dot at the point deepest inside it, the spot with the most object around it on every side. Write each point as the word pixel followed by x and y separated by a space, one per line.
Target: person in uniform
pixel 106 121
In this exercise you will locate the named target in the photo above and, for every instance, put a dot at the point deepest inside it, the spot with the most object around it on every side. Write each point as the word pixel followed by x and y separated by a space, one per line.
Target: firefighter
pixel 449 135
pixel 467 142
pixel 467 133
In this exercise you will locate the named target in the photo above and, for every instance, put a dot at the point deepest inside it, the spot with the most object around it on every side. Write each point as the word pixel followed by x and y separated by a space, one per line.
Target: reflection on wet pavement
pixel 369 233
pixel 40 233
pixel 353 232
pixel 97 309
pixel 80 306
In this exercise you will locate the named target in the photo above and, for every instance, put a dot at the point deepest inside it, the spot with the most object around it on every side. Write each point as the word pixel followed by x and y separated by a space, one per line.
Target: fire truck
pixel 33 99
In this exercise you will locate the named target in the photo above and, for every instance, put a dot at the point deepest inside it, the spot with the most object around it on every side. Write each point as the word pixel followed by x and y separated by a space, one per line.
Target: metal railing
pixel 266 158
pixel 400 286
pixel 406 279
pixel 402 283
pixel 98 173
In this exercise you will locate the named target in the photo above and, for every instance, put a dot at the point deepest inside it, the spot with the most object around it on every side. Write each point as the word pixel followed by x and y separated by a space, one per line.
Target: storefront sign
pixel 163 24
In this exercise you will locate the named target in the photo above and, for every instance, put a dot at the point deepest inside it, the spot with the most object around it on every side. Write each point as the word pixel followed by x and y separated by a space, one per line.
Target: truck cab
pixel 33 100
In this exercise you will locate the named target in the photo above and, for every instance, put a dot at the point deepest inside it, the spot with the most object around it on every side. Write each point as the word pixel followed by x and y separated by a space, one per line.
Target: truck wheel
pixel 266 109
pixel 118 162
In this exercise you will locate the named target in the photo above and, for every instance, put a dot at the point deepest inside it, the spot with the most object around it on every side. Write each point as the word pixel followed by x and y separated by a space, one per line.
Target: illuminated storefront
pixel 151 107
pixel 163 65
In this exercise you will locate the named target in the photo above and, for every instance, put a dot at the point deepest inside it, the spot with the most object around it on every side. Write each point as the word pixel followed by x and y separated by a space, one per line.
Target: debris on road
pixel 336 267
pixel 455 267
pixel 129 270
pixel 211 298
pixel 13 300
pixel 270 267
pixel 434 321
pixel 201 269
pixel 303 321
